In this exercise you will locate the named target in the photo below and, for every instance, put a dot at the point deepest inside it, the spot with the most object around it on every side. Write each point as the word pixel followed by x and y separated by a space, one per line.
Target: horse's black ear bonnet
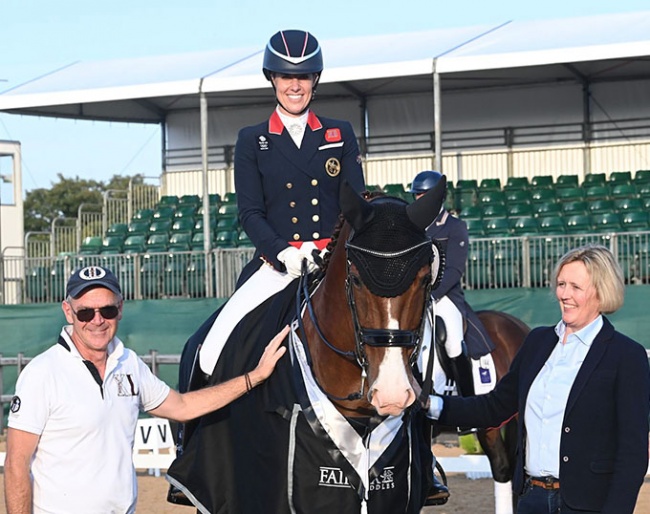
pixel 389 249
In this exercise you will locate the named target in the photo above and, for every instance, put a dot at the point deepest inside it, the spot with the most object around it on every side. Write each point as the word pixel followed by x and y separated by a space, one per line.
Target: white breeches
pixel 263 284
pixel 453 319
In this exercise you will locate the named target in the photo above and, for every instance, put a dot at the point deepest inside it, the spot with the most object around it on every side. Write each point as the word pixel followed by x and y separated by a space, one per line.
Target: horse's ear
pixel 355 209
pixel 424 210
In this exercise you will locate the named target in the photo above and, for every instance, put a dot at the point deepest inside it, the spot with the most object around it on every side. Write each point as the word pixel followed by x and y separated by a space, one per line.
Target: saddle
pixel 458 369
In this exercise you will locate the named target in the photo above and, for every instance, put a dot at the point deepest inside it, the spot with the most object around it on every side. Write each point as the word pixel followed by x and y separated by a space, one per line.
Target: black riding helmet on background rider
pixel 424 181
pixel 292 54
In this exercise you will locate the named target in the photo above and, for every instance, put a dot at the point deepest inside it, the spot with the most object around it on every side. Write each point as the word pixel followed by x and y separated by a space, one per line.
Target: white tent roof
pixel 605 48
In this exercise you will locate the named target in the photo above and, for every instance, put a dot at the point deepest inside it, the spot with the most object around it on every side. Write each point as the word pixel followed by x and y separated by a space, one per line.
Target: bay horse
pixel 336 428
pixel 500 444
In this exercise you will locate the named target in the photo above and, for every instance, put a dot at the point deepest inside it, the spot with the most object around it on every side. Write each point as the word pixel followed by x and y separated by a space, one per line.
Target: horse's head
pixel 388 287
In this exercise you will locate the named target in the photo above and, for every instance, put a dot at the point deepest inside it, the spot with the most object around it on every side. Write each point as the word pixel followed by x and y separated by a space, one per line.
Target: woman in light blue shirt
pixel 583 394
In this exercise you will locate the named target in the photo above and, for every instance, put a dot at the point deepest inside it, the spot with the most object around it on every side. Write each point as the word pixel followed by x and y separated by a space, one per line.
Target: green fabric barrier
pixel 165 325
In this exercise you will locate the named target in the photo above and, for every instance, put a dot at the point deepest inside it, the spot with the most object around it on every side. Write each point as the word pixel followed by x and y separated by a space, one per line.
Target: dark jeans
pixel 537 500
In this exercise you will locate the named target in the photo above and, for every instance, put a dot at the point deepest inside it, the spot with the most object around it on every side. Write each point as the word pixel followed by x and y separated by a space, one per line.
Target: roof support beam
pixel 203 106
pixel 437 121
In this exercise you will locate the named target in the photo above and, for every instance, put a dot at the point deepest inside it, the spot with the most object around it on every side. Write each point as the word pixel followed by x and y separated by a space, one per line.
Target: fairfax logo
pixel 333 477
pixel 125 385
pixel 384 481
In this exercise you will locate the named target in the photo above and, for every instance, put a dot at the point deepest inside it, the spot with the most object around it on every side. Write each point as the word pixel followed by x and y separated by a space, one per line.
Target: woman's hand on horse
pixel 272 353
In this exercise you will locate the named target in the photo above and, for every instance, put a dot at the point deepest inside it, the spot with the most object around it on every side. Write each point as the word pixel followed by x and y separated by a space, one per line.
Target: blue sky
pixel 38 36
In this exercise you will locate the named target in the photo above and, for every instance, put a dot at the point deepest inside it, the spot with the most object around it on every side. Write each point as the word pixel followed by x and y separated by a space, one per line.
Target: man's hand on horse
pixel 272 353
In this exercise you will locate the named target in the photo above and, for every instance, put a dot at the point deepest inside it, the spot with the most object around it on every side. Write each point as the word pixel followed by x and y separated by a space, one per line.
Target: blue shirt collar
pixel 585 335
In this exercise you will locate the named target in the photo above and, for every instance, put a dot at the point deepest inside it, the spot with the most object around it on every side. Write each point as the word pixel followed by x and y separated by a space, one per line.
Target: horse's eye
pixel 355 280
pixel 426 280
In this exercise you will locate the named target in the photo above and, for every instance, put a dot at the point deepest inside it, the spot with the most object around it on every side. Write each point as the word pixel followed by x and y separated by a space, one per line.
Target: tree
pixel 64 198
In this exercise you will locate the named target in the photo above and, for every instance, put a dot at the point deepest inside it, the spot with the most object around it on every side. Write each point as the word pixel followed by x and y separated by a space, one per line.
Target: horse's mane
pixel 368 195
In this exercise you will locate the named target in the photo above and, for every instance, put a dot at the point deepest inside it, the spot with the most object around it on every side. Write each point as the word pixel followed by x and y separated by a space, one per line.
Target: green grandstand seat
pixel 505 264
pixel 641 177
pixel 566 181
pixel 37 283
pixel 517 196
pixel 227 223
pixel 569 194
pixel 180 241
pixel 214 199
pixel 578 223
pixel 198 225
pixel 635 220
pixel 606 222
pixel 491 196
pixel 164 212
pixel 134 244
pixel 520 209
pixel 471 212
pixel 243 241
pixel 117 229
pixel 515 183
pixel 542 195
pixel 194 200
pixel 229 198
pixel 524 225
pixel 490 184
pixel 575 207
pixel 478 273
pixel 494 210
pixel 466 184
pixel 151 275
pixel 138 227
pixel 157 242
pixel 212 209
pixel 183 225
pixel 112 242
pixel 226 238
pixel 228 209
pixel 597 192
pixel 541 209
pixel 143 214
pixel 542 182
pixel 628 204
pixel 475 227
pixel 551 225
pixel 497 227
pixel 91 245
pixel 623 190
pixel 161 225
pixel 174 274
pixel 197 242
pixel 591 179
pixel 598 206
pixel 185 211
pixel 169 200
pixel 643 190
pixel 464 198
pixel 620 177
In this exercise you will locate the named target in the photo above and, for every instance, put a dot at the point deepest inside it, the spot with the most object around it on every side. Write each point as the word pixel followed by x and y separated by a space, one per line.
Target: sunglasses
pixel 86 315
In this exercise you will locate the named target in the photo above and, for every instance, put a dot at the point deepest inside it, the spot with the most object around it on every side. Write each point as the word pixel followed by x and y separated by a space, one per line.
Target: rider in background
pixel 287 175
pixel 448 297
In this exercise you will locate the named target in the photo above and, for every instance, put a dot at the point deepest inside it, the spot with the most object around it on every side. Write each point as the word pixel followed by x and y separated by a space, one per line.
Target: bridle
pixel 374 337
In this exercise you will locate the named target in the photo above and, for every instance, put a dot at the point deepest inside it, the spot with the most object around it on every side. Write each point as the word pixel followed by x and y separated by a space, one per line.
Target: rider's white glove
pixel 292 258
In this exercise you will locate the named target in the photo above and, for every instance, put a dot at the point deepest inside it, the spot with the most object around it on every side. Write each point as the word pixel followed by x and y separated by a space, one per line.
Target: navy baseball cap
pixel 91 276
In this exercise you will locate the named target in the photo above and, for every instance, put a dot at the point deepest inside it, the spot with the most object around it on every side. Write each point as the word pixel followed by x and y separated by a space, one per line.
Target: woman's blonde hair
pixel 606 274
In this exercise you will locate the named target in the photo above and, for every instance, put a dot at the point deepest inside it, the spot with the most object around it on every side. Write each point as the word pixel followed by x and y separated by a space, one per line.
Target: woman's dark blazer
pixel 604 443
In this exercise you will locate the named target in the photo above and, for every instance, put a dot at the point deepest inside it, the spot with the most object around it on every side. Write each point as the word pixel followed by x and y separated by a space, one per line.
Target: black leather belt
pixel 545 482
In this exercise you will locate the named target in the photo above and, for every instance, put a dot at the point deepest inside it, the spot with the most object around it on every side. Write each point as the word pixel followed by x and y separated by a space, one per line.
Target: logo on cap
pixel 92 273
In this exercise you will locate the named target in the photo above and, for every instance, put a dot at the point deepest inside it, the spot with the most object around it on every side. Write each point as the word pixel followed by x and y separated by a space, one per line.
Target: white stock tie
pixel 296 132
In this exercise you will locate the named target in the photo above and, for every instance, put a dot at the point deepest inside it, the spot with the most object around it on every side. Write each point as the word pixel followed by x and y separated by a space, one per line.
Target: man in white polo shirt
pixel 73 419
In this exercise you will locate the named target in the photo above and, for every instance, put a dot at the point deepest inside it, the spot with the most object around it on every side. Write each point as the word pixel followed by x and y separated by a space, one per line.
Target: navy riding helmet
pixel 293 52
pixel 424 181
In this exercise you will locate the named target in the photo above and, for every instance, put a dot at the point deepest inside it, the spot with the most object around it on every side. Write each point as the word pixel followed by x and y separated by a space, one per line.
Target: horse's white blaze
pixel 391 392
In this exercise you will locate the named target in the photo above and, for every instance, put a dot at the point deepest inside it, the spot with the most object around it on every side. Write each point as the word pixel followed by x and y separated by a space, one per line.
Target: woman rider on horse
pixel 287 175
